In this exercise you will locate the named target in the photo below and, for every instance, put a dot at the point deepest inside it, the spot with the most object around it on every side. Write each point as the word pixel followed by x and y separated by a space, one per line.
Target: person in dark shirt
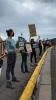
pixel 33 53
pixel 1 63
pixel 40 47
pixel 24 59
pixel 44 45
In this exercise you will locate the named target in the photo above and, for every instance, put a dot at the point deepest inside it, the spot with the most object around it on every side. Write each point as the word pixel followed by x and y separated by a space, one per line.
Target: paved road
pixel 7 94
pixel 53 73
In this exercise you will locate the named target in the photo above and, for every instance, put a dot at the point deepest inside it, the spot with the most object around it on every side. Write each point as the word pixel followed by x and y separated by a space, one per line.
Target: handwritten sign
pixel 32 30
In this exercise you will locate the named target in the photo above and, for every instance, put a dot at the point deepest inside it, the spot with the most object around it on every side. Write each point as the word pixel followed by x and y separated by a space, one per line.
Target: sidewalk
pixel 53 73
pixel 45 85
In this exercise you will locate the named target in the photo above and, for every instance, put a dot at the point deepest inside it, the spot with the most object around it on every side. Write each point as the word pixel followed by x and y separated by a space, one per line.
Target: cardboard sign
pixel 32 30
pixel 28 46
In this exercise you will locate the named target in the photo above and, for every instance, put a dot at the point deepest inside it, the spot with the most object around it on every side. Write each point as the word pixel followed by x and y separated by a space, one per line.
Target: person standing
pixel 33 53
pixel 1 63
pixel 11 59
pixel 44 45
pixel 40 47
pixel 24 60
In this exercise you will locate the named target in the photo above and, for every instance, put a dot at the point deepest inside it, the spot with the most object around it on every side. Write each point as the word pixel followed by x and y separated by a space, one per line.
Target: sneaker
pixel 27 71
pixel 9 85
pixel 35 64
pixel 32 64
pixel 15 79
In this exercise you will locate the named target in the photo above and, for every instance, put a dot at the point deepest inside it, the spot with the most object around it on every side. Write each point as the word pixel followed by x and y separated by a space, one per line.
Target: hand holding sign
pixel 21 41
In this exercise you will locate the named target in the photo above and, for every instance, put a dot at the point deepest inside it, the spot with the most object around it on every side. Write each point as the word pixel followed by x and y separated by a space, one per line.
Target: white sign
pixel 28 46
pixel 21 41
pixel 21 44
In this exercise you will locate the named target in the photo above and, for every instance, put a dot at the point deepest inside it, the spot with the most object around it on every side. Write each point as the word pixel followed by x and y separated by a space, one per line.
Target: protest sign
pixel 28 46
pixel 32 30
pixel 21 42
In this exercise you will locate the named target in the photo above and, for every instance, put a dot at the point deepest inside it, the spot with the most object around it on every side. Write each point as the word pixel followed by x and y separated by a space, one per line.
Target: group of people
pixel 11 57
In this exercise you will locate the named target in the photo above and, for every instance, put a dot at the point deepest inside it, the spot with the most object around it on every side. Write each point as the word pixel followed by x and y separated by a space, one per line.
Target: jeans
pixel 11 59
pixel 24 62
pixel 33 53
pixel 1 62
pixel 40 51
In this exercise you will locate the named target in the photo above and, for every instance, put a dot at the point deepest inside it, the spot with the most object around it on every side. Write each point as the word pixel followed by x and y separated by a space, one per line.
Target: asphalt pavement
pixel 8 94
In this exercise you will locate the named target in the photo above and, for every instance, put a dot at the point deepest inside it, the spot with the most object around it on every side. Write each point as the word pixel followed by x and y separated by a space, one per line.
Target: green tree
pixel 17 44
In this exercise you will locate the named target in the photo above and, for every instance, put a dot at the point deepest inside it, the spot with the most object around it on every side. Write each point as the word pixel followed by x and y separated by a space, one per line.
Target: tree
pixel 17 44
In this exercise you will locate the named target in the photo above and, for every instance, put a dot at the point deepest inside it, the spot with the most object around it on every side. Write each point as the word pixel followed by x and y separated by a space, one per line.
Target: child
pixel 11 58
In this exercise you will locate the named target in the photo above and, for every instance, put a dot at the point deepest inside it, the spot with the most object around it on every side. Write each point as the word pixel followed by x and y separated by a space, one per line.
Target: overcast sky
pixel 17 14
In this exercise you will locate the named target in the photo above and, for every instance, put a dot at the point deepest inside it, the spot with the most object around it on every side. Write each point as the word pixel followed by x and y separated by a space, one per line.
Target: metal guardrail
pixel 27 92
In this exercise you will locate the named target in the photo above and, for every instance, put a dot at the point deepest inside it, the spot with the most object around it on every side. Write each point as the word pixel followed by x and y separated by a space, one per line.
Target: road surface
pixel 7 94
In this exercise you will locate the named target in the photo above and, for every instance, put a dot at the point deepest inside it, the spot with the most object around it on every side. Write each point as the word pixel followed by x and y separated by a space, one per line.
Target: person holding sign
pixel 24 59
pixel 11 58
pixel 33 53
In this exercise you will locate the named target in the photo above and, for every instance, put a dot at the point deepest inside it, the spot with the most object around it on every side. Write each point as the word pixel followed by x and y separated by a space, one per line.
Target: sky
pixel 17 14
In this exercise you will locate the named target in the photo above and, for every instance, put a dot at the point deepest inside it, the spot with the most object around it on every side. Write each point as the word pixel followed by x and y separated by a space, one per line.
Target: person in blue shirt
pixel 11 58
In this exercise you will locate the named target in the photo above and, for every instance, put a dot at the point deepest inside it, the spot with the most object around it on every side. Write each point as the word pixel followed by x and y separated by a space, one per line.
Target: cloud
pixel 17 14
